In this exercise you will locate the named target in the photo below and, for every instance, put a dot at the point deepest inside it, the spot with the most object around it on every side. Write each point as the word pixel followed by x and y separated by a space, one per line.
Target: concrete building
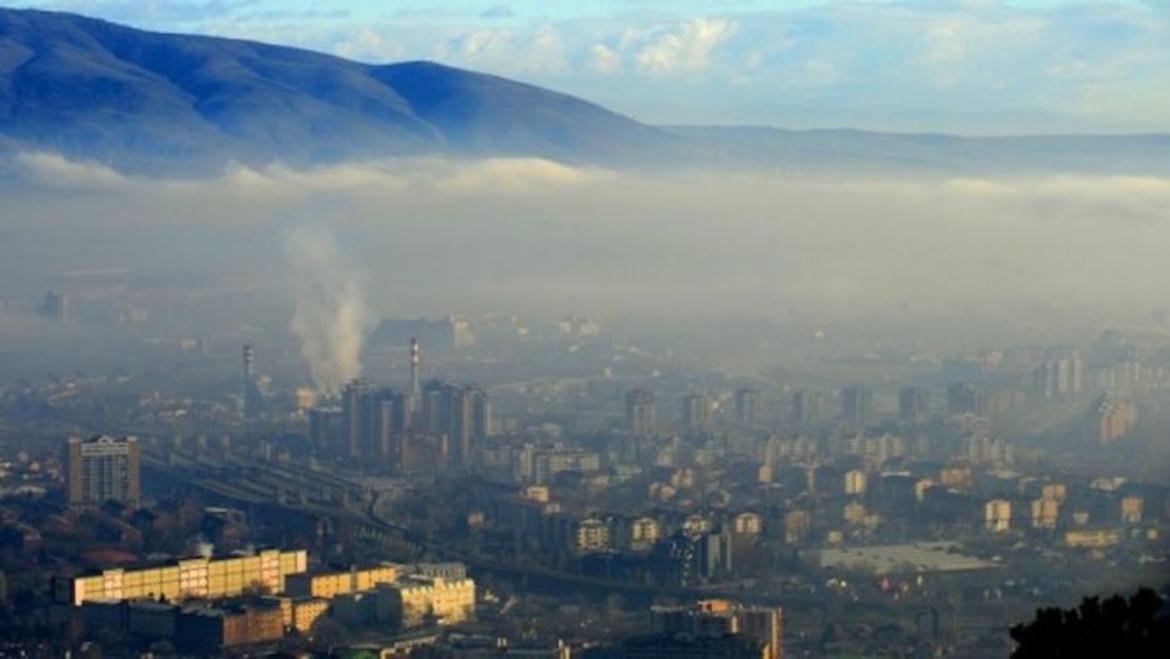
pixel 1045 513
pixel 696 412
pixel 664 646
pixel 854 512
pixel 747 406
pixel 796 526
pixel 56 307
pixel 997 515
pixel 806 405
pixel 1092 539
pixel 913 404
pixel 199 577
pixel 1131 510
pixel 747 524
pixel 446 333
pixel 1060 377
pixel 192 630
pixel 958 478
pixel 855 482
pixel 306 611
pixel 965 398
pixel 857 405
pixel 325 427
pixel 101 469
pixel 1111 418
pixel 1055 491
pixel 593 535
pixel 533 464
pixel 644 532
pixel 641 412
pixel 723 619
pixel 417 599
pixel 342 582
pixel 352 420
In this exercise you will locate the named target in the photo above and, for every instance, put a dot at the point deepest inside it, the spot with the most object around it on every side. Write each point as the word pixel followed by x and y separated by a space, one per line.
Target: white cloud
pixel 687 48
pixel 54 171
pixel 497 12
pixel 365 179
pixel 604 59
pixel 482 44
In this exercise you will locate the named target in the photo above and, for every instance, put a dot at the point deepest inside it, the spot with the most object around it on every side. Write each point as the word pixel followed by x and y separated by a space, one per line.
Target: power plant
pixel 436 426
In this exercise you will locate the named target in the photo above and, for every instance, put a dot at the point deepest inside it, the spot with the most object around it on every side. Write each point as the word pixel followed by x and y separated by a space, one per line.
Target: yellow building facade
pixel 1093 539
pixel 449 600
pixel 327 585
pixel 199 577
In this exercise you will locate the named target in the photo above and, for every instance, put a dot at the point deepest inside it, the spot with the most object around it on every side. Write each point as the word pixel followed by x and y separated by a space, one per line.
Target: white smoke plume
pixel 331 315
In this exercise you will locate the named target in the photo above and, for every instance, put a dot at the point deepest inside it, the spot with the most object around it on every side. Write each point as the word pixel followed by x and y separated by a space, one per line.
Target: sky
pixel 962 66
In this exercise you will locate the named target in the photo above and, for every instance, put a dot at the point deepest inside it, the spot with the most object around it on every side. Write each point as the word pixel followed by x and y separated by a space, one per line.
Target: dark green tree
pixel 1116 627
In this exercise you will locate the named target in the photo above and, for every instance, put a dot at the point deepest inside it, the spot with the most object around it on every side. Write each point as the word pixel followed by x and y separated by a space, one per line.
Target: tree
pixel 1116 627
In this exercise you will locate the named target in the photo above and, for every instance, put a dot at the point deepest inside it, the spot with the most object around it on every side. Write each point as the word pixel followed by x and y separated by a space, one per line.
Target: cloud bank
pixel 435 236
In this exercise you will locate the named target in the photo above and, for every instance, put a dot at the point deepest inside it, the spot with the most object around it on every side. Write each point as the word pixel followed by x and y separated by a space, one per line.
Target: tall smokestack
pixel 414 363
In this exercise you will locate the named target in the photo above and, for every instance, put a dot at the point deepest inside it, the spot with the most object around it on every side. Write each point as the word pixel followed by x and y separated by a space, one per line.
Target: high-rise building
pixel 913 404
pixel 56 307
pixel 483 416
pixel 964 398
pixel 855 482
pixel 415 365
pixel 461 414
pixel 1045 513
pixel 804 406
pixel 696 412
pixel 459 425
pixel 640 412
pixel 430 414
pixel 997 515
pixel 857 404
pixel 382 427
pixel 253 399
pixel 352 419
pixel 1060 377
pixel 101 469
pixel 1111 418
pixel 747 406
pixel 325 427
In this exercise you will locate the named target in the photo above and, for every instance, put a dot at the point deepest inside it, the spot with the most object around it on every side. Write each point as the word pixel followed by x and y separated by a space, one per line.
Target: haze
pixel 535 236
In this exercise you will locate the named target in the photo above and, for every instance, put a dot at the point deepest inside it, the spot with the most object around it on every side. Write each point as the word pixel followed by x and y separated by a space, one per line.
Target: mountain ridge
pixel 88 87
pixel 157 102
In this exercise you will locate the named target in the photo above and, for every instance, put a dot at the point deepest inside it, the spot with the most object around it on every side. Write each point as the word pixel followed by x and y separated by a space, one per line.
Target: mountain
pixel 857 150
pixel 149 102
pixel 136 99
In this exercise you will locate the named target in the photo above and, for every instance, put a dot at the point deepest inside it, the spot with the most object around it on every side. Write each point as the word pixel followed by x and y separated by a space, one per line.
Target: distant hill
pixel 91 88
pixel 853 150
pixel 144 101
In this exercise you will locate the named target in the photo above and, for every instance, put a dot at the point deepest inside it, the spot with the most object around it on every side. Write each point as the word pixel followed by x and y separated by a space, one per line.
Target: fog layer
pixel 532 235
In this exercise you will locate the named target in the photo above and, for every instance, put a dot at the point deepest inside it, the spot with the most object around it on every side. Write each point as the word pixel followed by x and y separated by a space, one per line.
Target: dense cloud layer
pixel 533 235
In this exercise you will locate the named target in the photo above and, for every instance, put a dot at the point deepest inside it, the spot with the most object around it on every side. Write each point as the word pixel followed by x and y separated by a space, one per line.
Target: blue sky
pixel 966 66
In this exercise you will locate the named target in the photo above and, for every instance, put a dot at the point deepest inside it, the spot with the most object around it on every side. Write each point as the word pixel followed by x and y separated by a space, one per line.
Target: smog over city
pixel 611 329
